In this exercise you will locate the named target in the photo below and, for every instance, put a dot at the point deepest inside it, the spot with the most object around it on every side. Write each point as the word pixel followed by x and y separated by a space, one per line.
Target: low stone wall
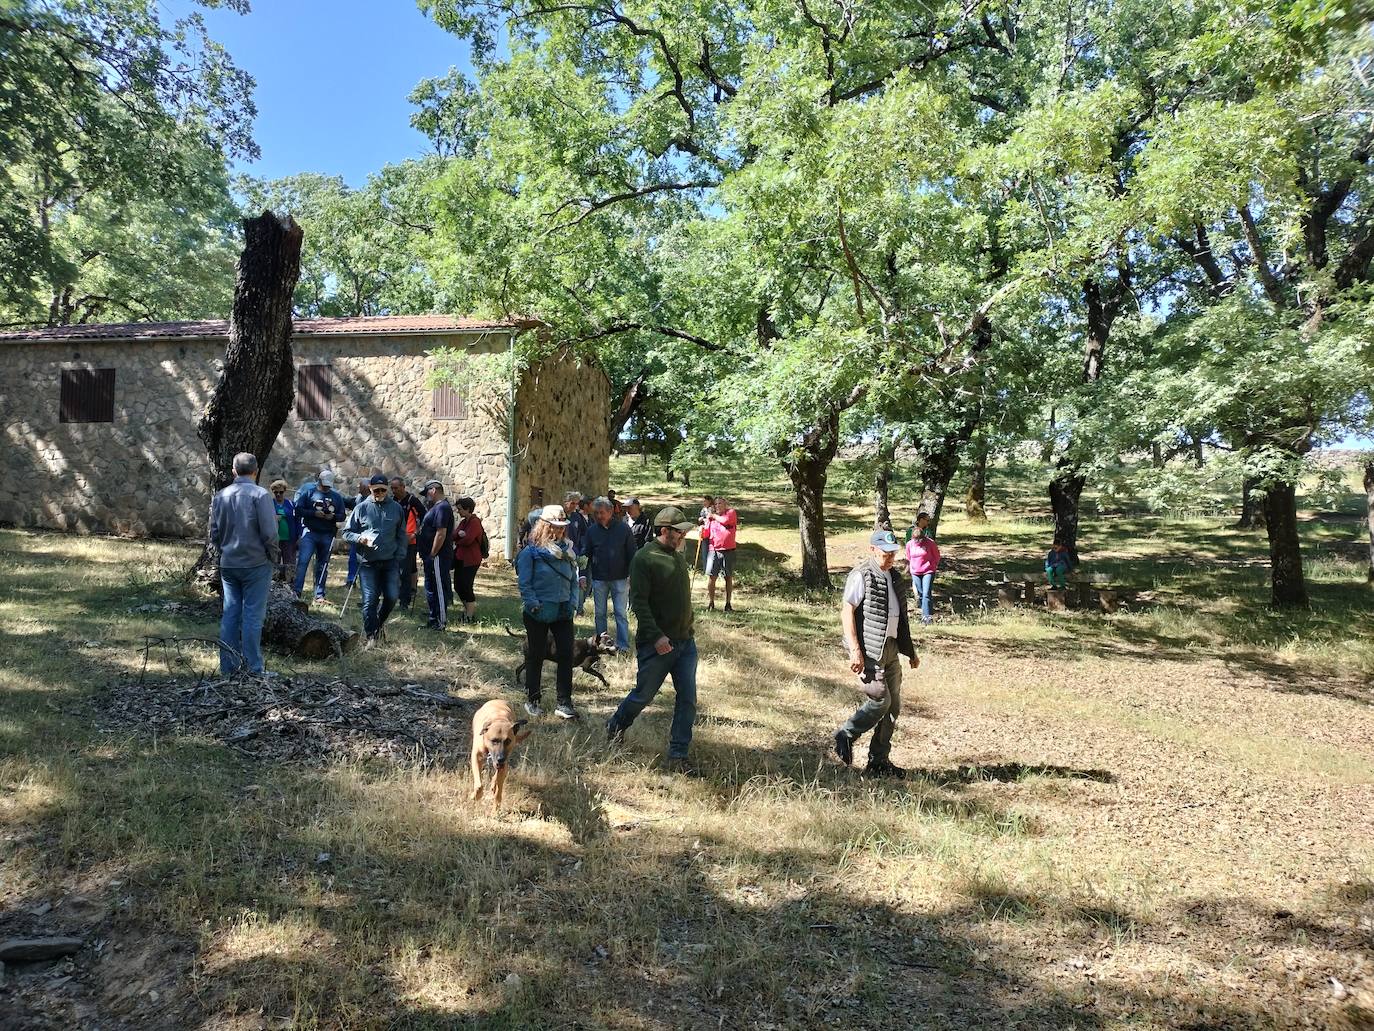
pixel 144 473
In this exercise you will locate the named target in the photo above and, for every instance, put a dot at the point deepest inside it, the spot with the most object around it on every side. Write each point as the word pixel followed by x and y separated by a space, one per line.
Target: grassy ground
pixel 1162 818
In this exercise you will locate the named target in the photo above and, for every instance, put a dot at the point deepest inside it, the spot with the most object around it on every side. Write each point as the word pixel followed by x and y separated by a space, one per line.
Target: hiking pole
pixel 696 555
pixel 347 594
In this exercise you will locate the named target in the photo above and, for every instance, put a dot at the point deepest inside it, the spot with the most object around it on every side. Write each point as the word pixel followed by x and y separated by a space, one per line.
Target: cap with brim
pixel 553 515
pixel 884 540
pixel 675 518
pixel 377 481
pixel 631 500
pixel 325 477
pixel 432 483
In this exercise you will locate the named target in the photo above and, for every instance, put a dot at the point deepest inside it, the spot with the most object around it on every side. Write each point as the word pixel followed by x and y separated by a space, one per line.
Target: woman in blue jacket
pixel 550 585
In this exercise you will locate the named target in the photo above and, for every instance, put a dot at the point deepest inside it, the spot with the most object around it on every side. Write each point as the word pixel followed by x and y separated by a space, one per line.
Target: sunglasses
pixel 278 490
pixel 380 490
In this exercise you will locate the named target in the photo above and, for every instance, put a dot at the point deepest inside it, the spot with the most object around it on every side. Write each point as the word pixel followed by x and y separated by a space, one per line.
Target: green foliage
pixel 115 127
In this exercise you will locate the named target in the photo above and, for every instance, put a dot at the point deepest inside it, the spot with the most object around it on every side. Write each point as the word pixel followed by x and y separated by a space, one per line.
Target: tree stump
pixel 289 627
pixel 1029 595
pixel 1007 597
pixel 1108 600
pixel 1057 600
pixel 1085 596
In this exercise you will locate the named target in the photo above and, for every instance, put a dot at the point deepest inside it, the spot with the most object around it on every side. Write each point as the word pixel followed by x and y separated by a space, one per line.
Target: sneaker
pixel 534 709
pixel 615 733
pixel 565 712
pixel 884 768
pixel 844 748
pixel 370 643
pixel 319 598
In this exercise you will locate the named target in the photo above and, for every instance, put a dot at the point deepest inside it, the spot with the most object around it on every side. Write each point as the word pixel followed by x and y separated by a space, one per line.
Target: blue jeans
pixel 317 546
pixel 381 587
pixel 681 663
pixel 245 604
pixel 920 583
pixel 619 592
pixel 352 565
pixel 438 587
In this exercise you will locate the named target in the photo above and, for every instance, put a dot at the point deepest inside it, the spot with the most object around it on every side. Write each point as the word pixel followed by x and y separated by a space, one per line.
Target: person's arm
pixel 524 577
pixel 340 507
pixel 353 527
pixel 641 587
pixel 402 539
pixel 851 637
pixel 730 520
pixel 212 531
pixel 440 536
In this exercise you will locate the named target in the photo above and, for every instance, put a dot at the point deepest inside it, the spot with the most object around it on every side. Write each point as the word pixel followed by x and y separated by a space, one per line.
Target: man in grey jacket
pixel 377 526
pixel 243 526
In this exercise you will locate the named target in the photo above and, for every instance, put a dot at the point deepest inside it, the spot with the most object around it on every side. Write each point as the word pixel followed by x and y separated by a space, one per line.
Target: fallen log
pixel 37 950
pixel 289 627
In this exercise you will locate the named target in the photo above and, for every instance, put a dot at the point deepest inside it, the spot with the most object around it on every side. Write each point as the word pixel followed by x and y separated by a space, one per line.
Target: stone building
pixel 100 420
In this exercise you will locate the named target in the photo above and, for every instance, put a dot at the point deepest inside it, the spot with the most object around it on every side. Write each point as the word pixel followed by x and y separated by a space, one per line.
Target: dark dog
pixel 587 652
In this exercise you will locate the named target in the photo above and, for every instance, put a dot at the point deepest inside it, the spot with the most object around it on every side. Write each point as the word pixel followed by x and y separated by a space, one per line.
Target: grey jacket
pixel 243 525
pixel 388 519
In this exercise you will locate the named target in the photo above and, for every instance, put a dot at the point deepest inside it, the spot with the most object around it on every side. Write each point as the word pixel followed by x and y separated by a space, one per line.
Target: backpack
pixel 485 545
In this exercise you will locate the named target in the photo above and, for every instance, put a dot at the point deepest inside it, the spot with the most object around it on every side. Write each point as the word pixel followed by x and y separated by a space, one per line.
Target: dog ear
pixel 485 727
pixel 516 727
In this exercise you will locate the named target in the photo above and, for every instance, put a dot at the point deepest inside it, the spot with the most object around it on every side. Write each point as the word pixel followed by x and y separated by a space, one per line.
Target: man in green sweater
pixel 661 599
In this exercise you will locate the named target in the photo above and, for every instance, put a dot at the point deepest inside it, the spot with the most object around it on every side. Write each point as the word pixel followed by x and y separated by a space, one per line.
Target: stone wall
pixel 144 473
pixel 562 431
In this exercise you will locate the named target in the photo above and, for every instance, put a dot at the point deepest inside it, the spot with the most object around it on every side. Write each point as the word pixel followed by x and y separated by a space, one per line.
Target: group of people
pixel 595 547
pixel 390 532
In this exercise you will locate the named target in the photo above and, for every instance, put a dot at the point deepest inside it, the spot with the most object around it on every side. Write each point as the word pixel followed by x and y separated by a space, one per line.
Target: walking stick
pixel 348 594
pixel 695 556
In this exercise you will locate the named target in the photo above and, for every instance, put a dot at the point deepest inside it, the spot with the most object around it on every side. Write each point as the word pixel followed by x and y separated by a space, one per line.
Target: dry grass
pixel 1160 819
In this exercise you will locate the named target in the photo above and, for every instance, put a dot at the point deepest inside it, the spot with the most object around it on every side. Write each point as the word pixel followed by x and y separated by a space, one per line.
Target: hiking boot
pixel 615 733
pixel 565 711
pixel 844 748
pixel 884 768
pixel 534 709
pixel 680 765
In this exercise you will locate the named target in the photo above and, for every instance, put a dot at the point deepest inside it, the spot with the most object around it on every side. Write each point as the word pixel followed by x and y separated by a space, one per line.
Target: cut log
pixel 36 950
pixel 289 627
pixel 1056 600
pixel 1108 600
pixel 1030 591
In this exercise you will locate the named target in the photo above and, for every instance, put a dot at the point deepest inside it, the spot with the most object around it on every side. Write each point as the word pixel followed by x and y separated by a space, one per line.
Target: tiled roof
pixel 369 325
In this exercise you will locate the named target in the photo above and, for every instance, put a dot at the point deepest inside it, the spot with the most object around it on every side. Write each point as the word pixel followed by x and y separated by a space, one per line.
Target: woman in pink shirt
pixel 923 554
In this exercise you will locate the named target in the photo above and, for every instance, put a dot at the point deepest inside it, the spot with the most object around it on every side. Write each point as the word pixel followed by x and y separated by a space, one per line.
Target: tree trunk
pixel 1285 552
pixel 937 469
pixel 1066 488
pixel 289 627
pixel 686 477
pixel 976 497
pixel 1198 458
pixel 882 482
pixel 630 399
pixel 1251 505
pixel 257 388
pixel 1156 455
pixel 1369 512
pixel 808 475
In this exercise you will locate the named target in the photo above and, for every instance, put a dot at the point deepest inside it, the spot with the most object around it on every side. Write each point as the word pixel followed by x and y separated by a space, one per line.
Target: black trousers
pixel 538 635
pixel 408 578
pixel 464 579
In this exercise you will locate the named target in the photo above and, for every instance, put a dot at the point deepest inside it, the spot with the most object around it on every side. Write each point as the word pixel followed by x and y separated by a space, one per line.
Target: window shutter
pixel 314 394
pixel 87 395
pixel 449 403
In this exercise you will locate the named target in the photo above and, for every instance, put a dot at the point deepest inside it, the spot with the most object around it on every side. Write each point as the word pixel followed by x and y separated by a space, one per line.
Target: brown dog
pixel 495 733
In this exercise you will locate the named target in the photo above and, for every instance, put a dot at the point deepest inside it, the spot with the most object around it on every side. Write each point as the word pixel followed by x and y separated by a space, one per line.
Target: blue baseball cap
pixel 884 540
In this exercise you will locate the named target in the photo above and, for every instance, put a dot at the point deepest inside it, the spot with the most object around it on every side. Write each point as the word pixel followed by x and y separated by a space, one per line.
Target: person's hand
pixel 856 660
pixel 462 533
pixel 663 646
pixel 582 581
pixel 915 661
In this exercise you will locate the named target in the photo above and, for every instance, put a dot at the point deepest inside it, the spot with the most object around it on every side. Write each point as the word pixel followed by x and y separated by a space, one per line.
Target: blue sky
pixel 332 79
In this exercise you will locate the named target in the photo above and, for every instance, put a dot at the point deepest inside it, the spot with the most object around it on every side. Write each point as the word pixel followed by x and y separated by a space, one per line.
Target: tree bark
pixel 630 399
pixel 1251 505
pixel 976 497
pixel 289 627
pixel 257 388
pixel 937 469
pixel 1285 552
pixel 1156 455
pixel 1066 488
pixel 808 474
pixel 1369 512
pixel 882 482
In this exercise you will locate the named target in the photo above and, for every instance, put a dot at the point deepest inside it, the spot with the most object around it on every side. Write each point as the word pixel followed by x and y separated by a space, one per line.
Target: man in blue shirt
pixel 609 545
pixel 320 508
pixel 435 543
pixel 377 528
pixel 243 526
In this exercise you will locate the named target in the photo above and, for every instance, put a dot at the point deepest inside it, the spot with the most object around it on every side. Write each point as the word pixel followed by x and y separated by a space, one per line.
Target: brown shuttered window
pixel 87 395
pixel 448 403
pixel 314 394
